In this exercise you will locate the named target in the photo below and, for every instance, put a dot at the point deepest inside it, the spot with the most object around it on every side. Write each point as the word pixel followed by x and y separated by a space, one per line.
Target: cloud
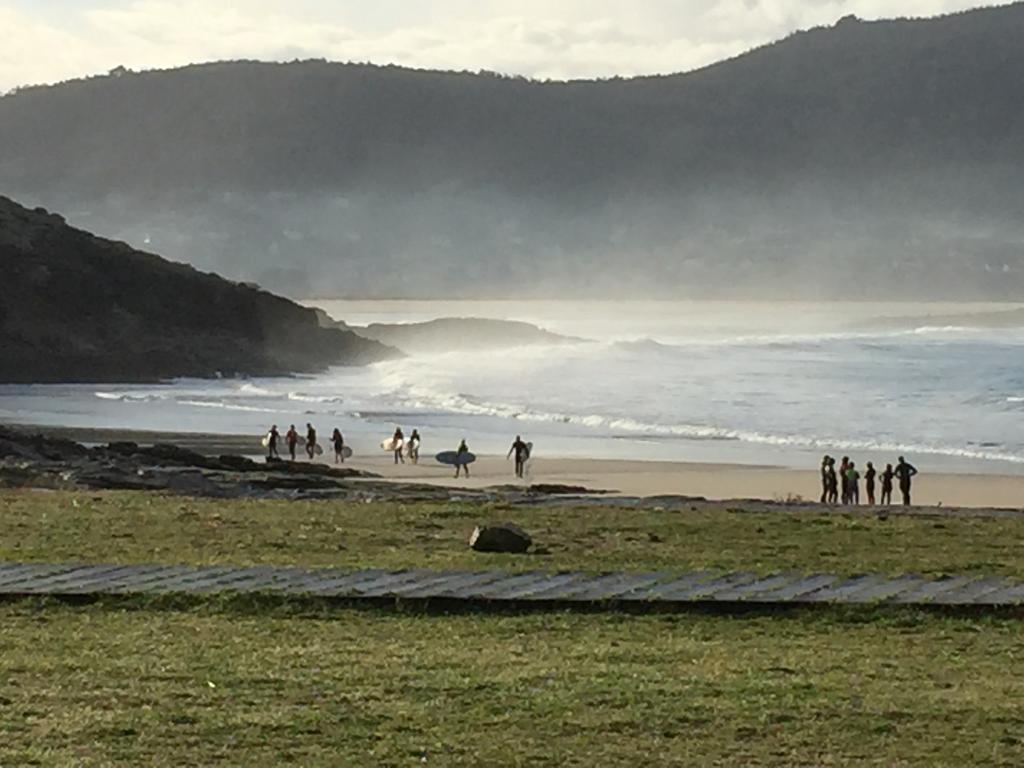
pixel 46 41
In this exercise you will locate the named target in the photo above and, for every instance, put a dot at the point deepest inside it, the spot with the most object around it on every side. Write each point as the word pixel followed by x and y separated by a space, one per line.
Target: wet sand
pixel 627 478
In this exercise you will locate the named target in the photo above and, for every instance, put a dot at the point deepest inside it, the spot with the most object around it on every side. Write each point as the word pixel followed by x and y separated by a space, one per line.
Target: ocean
pixel 735 382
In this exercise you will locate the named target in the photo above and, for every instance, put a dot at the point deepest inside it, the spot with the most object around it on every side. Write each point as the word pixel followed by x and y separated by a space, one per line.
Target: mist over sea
pixel 758 383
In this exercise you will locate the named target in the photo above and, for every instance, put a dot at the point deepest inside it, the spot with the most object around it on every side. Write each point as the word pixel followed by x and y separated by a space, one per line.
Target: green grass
pixel 114 685
pixel 140 527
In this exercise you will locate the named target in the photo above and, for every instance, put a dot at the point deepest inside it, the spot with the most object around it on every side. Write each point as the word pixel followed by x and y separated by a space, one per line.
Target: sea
pixel 764 383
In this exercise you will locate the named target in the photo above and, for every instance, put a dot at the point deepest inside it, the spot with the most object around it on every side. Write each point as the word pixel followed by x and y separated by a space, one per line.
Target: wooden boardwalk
pixel 535 587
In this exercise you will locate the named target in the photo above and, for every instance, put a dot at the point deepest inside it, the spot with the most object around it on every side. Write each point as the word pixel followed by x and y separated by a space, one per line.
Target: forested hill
pixel 894 146
pixel 75 307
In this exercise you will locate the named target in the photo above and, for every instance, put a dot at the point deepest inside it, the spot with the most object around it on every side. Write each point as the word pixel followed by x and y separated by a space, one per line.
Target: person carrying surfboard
pixel 272 438
pixel 414 446
pixel 310 441
pixel 291 439
pixel 463 449
pixel 339 446
pixel 522 452
pixel 399 442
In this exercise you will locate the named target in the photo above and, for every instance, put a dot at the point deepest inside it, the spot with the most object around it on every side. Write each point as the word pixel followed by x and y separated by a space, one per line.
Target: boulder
pixel 501 537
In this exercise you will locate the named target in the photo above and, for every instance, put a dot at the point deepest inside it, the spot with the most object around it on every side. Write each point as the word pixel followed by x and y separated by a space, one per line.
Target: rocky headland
pixel 79 308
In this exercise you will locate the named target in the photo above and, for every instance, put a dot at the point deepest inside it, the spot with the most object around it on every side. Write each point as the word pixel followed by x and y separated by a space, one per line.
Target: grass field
pixel 258 682
pixel 142 528
pixel 117 685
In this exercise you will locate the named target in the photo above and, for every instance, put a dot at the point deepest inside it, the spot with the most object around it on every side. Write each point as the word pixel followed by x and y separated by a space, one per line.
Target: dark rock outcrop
pixel 75 307
pixel 501 537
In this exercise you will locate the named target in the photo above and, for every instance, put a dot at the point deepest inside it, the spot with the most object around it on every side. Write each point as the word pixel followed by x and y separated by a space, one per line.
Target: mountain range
pixel 879 159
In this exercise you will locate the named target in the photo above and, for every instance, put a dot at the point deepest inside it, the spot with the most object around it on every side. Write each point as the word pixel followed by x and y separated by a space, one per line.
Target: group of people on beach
pixel 842 486
pixel 292 440
pixel 401 447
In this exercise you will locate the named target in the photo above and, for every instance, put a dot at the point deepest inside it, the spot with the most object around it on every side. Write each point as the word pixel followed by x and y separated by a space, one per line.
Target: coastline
pixel 714 481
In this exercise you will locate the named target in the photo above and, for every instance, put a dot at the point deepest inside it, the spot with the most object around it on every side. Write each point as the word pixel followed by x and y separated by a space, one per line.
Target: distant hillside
pixel 75 307
pixel 861 160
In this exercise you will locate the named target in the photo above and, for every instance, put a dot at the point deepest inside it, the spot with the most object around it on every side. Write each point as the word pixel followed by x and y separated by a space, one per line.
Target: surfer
pixel 522 452
pixel 905 472
pixel 853 484
pixel 459 464
pixel 844 482
pixel 887 477
pixel 339 446
pixel 869 483
pixel 824 478
pixel 833 482
pixel 399 442
pixel 414 446
pixel 272 438
pixel 310 441
pixel 292 440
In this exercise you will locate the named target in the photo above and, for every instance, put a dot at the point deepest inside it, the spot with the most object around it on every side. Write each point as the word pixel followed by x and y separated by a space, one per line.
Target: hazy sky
pixel 51 40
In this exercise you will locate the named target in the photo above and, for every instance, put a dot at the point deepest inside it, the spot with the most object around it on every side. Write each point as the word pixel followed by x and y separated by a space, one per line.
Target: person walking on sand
pixel 339 446
pixel 853 486
pixel 272 437
pixel 869 483
pixel 310 441
pixel 844 482
pixel 833 482
pixel 905 472
pixel 292 440
pixel 398 441
pixel 414 447
pixel 887 477
pixel 459 464
pixel 522 452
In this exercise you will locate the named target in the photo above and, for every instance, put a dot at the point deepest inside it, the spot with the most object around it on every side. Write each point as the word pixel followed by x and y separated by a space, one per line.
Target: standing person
pixel 522 451
pixel 887 477
pixel 292 439
pixel 853 484
pixel 414 446
pixel 339 446
pixel 399 442
pixel 905 472
pixel 844 483
pixel 869 483
pixel 833 482
pixel 463 449
pixel 272 437
pixel 824 478
pixel 310 441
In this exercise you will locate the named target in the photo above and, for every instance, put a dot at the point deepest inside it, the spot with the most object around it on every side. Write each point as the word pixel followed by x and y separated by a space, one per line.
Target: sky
pixel 45 41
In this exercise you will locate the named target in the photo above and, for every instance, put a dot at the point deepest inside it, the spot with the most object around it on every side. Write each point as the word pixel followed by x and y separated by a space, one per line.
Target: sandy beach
pixel 713 481
pixel 627 478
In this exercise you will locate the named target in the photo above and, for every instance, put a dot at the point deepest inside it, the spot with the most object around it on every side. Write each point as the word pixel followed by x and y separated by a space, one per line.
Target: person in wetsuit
pixel 310 441
pixel 853 484
pixel 824 478
pixel 399 441
pixel 291 439
pixel 869 483
pixel 272 437
pixel 414 446
pixel 833 482
pixel 522 452
pixel 887 477
pixel 905 472
pixel 844 482
pixel 463 448
pixel 339 446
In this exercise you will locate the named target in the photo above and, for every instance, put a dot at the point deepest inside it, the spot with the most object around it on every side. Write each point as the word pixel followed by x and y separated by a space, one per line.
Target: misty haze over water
pixel 725 382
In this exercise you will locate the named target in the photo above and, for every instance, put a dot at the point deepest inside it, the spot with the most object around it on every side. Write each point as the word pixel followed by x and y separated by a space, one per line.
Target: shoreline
pixel 631 478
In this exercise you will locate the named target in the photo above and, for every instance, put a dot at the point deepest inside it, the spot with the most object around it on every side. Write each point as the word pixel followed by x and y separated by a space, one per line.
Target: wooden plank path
pixel 532 587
